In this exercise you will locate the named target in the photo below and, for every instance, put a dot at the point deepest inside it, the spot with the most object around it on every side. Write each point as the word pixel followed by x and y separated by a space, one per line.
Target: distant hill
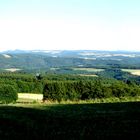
pixel 44 60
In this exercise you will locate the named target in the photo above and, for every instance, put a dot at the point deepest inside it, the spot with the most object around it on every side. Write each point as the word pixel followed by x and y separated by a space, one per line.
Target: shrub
pixel 8 94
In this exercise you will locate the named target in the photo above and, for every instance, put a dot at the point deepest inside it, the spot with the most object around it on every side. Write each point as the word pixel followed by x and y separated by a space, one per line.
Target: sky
pixel 70 25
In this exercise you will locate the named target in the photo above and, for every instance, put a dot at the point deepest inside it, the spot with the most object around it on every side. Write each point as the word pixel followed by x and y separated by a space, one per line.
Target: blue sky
pixel 70 24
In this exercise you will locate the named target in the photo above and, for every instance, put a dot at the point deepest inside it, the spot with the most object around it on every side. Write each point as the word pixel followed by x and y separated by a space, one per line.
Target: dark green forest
pixel 70 87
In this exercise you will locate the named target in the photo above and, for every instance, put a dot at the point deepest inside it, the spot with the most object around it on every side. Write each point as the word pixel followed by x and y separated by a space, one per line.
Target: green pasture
pixel 70 121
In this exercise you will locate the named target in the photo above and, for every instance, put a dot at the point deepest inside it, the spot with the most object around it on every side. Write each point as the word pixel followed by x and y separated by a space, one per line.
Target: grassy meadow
pixel 30 98
pixel 70 121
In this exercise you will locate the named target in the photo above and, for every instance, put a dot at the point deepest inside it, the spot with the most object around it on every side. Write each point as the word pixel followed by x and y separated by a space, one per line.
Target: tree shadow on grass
pixel 71 121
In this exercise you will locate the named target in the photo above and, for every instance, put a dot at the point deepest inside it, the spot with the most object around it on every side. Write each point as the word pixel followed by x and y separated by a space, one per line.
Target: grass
pixel 70 121
pixel 97 100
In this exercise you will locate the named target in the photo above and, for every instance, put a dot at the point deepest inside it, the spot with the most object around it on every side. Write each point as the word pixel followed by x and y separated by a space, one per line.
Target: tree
pixel 38 76
pixel 8 94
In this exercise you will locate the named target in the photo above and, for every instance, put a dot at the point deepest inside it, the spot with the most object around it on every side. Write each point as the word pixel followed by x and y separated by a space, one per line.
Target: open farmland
pixel 88 75
pixel 70 121
pixel 12 69
pixel 132 71
pixel 88 69
pixel 29 97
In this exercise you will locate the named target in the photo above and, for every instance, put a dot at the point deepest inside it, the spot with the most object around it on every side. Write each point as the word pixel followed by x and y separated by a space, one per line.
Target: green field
pixel 70 121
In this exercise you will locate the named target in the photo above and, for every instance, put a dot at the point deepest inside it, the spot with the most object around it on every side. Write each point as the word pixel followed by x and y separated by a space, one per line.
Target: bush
pixel 8 94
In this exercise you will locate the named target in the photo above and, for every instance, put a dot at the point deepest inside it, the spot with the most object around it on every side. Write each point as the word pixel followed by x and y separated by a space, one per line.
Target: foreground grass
pixel 101 100
pixel 97 100
pixel 70 121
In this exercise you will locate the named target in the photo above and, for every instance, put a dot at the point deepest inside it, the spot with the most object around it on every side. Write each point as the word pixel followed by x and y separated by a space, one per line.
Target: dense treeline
pixel 33 84
pixel 69 87
pixel 22 82
pixel 8 94
pixel 83 90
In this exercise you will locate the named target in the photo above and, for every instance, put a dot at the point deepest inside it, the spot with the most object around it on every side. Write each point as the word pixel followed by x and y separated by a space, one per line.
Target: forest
pixel 70 87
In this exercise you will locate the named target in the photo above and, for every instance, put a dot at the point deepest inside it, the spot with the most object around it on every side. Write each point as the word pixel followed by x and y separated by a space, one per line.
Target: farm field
pixel 13 69
pixel 88 75
pixel 70 121
pixel 132 71
pixel 29 97
pixel 89 69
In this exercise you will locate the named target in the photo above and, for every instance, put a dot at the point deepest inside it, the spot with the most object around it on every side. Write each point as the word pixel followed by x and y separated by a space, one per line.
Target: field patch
pixel 132 71
pixel 88 75
pixel 6 56
pixel 29 97
pixel 12 69
pixel 89 69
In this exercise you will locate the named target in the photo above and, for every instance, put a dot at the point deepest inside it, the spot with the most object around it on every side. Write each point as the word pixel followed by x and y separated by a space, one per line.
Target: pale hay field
pixel 88 75
pixel 29 97
pixel 12 69
pixel 132 71
pixel 89 69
